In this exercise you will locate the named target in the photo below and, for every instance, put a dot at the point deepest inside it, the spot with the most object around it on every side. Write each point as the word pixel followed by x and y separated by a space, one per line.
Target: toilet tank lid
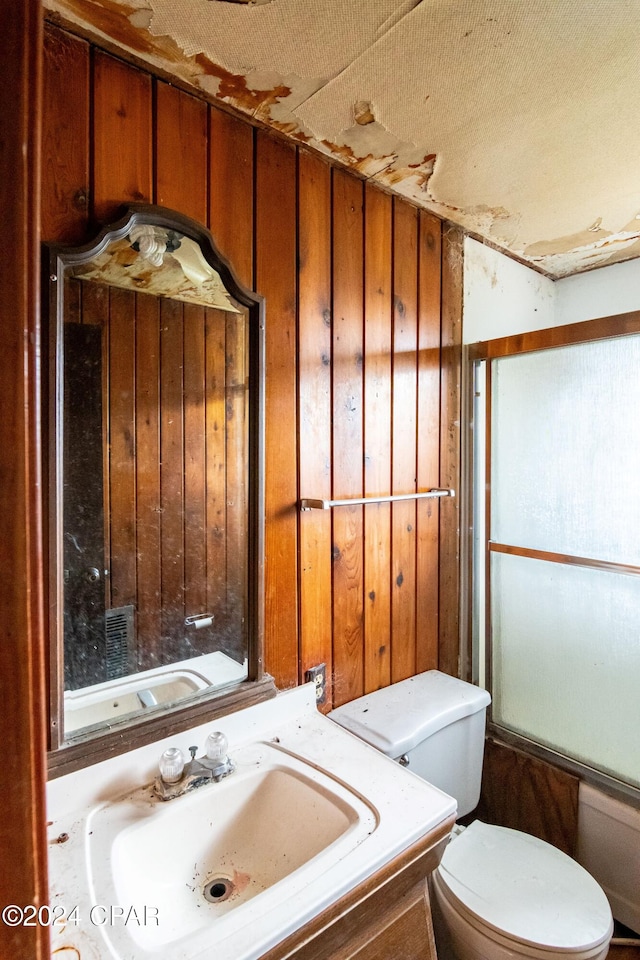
pixel 396 718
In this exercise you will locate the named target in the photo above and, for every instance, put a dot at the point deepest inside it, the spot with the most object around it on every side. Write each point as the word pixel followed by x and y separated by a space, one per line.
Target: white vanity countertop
pixel 406 809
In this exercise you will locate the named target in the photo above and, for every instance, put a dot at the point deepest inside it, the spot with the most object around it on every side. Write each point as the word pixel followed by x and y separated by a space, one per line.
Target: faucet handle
pixel 216 747
pixel 171 765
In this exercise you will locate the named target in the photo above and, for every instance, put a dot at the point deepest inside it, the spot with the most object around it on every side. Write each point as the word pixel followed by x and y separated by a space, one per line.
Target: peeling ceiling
pixel 516 120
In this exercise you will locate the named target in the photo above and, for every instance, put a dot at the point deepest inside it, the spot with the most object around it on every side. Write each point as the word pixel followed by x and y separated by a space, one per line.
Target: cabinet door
pixel 404 932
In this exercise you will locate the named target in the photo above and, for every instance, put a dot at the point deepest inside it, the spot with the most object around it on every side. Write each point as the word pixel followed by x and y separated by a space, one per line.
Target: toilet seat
pixel 516 888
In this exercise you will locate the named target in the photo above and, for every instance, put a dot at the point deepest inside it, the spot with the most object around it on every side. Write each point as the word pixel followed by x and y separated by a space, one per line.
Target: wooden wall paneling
pixel 65 138
pixel 524 793
pixel 378 316
pixel 23 721
pixel 172 476
pixel 276 271
pixel 94 309
pixel 348 438
pixel 147 431
pixel 236 415
pixel 429 293
pixel 194 407
pixel 195 493
pixel 231 167
pixel 314 362
pixel 122 459
pixel 181 152
pixel 404 457
pixel 122 136
pixel 216 511
pixel 451 366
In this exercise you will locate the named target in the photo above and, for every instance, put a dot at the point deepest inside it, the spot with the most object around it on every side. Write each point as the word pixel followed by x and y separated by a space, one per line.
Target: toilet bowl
pixel 501 894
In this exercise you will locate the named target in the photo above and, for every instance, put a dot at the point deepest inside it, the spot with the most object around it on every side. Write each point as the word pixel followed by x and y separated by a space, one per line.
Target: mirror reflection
pixel 152 425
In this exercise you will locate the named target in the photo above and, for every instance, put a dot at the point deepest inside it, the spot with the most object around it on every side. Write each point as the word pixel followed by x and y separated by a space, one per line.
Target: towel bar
pixel 310 504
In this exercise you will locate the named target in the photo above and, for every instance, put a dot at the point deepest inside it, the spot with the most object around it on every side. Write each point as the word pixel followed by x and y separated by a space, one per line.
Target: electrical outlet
pixel 318 675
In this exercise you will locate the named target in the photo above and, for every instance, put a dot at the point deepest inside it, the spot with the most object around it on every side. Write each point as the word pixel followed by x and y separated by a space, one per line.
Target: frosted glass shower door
pixel 564 547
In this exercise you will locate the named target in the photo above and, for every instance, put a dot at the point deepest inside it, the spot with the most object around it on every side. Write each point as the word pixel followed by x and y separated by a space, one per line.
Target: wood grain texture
pixel 378 334
pixel 581 332
pixel 236 448
pixel 405 441
pixel 65 173
pixel 172 487
pixel 216 514
pixel 122 441
pixel 348 435
pixel 231 191
pixel 194 405
pixel 276 272
pixel 428 413
pixel 314 362
pixel 22 646
pixel 148 483
pixel 524 793
pixel 121 136
pixel 181 152
pixel 450 407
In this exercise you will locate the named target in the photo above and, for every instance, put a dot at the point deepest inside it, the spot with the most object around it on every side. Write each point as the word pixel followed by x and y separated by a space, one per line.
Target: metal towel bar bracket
pixel 309 504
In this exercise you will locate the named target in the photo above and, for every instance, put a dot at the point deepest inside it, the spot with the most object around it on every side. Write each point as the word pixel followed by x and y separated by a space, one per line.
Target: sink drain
pixel 215 891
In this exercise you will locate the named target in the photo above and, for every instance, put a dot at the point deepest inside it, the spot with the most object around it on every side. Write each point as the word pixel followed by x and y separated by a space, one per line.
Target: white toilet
pixel 501 894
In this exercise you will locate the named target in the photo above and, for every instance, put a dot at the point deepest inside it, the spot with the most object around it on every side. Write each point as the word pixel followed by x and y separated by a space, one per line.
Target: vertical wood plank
pixel 122 460
pixel 276 281
pixel 451 360
pixel 94 310
pixel 348 450
pixel 172 476
pixel 122 136
pixel 429 255
pixel 65 138
pixel 231 191
pixel 181 151
pixel 195 542
pixel 404 463
pixel 377 432
pixel 22 650
pixel 147 353
pixel 215 419
pixel 236 415
pixel 524 793
pixel 314 362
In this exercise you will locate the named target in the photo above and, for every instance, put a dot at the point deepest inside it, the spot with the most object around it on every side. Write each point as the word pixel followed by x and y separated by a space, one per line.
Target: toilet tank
pixel 434 722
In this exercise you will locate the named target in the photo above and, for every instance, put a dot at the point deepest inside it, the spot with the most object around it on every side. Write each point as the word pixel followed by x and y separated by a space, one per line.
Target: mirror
pixel 156 520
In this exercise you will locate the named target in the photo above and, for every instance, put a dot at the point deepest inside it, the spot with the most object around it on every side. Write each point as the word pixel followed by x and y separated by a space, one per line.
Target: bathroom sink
pixel 229 869
pixel 203 856
pixel 111 700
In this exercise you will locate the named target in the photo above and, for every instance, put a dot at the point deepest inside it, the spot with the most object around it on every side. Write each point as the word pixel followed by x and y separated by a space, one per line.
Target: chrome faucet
pixel 177 777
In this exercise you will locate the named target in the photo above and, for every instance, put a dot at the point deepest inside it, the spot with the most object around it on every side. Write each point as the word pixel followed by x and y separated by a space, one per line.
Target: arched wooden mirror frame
pixel 65 756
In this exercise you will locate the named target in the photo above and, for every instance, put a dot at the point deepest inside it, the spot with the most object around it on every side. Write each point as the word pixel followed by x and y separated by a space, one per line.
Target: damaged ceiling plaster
pixel 514 119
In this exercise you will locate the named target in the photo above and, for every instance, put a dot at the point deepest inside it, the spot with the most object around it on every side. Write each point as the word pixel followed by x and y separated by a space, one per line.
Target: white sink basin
pixel 230 869
pixel 202 856
pixel 110 700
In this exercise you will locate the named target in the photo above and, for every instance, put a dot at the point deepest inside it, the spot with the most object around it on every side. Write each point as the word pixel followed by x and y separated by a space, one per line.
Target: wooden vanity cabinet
pixel 387 917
